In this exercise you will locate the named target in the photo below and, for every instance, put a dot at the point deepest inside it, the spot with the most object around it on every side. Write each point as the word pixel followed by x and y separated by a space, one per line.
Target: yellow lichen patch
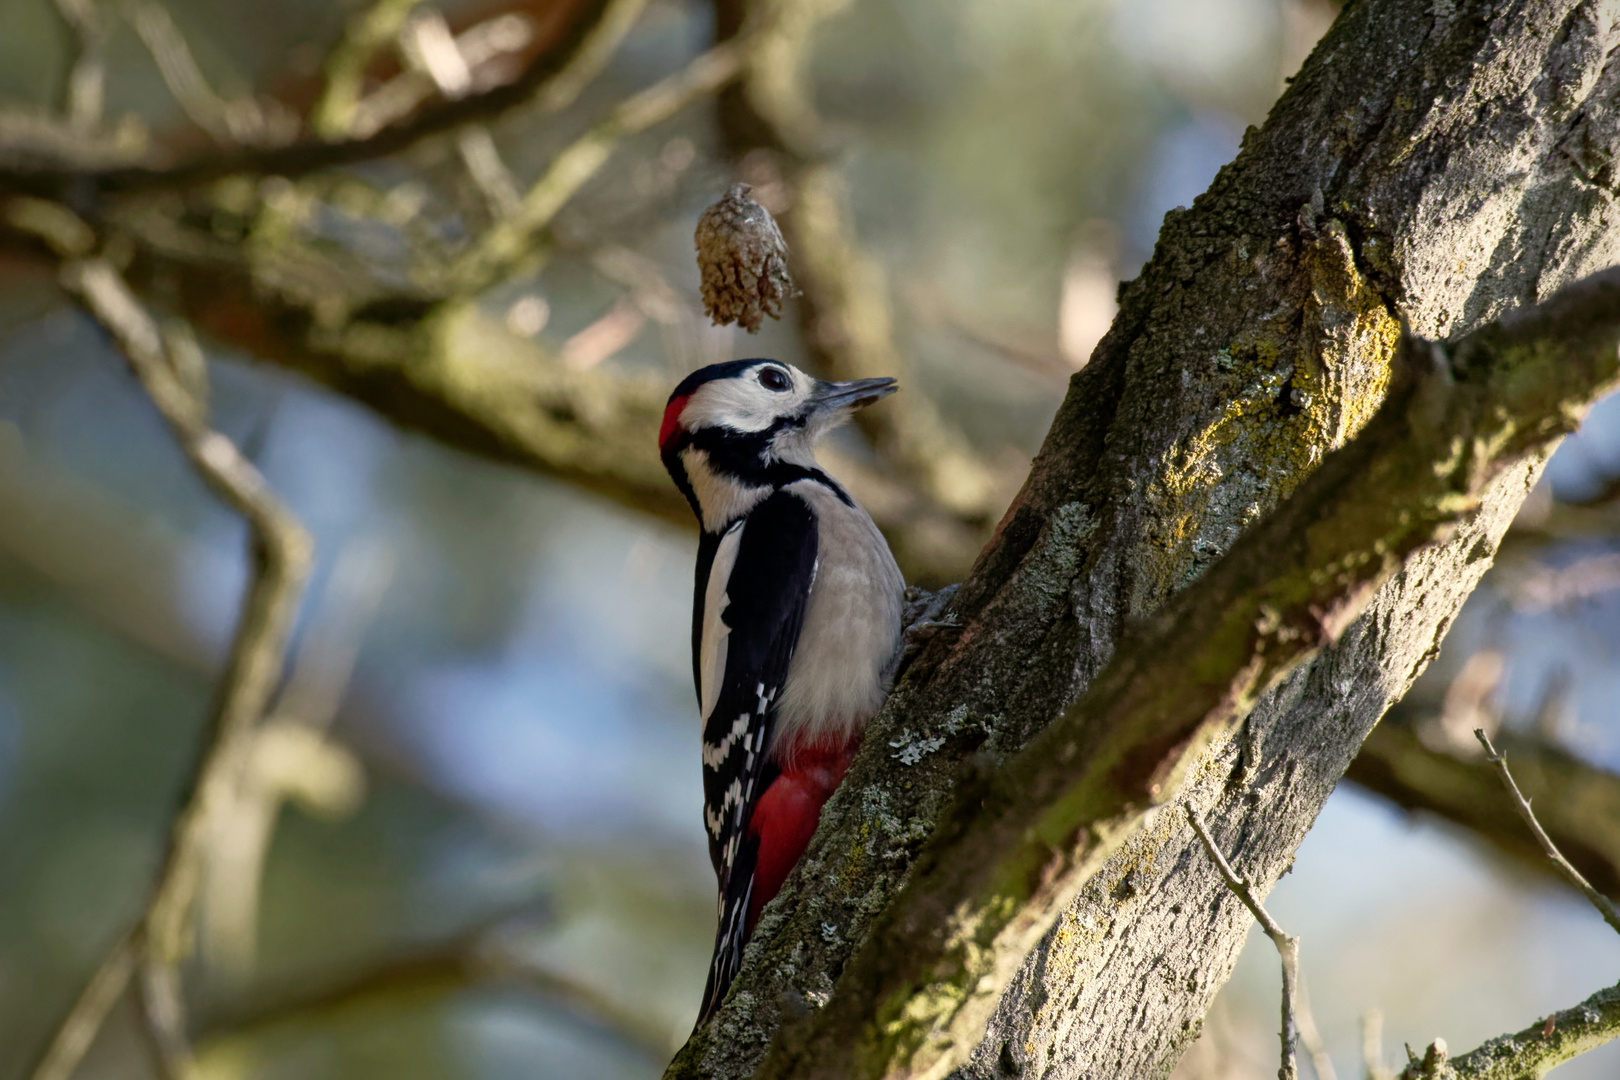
pixel 1356 334
pixel 851 876
pixel 1309 380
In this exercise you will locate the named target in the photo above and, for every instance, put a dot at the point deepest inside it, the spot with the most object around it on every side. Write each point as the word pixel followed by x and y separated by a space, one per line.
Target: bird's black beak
pixel 855 394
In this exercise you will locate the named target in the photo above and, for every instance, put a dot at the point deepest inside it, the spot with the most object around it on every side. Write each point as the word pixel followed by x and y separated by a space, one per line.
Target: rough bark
pixel 1438 163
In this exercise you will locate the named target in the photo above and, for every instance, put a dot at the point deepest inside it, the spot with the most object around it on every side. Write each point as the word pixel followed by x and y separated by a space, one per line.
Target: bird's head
pixel 734 432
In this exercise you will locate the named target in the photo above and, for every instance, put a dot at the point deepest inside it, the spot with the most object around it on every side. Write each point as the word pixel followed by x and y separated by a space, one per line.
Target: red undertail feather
pixel 786 815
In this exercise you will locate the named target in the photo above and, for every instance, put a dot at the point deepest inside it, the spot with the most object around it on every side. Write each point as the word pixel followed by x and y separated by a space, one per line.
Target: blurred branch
pixel 85 92
pixel 33 163
pixel 1286 943
pixel 845 310
pixel 1579 803
pixel 432 49
pixel 1311 1037
pixel 78 1029
pixel 293 758
pixel 1605 906
pixel 281 554
pixel 1540 588
pixel 477 958
pixel 243 120
pixel 1372 1046
pixel 508 242
pixel 368 32
pixel 1536 1050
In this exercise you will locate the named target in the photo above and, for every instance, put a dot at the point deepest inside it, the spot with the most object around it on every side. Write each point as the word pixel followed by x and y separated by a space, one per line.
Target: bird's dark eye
pixel 773 379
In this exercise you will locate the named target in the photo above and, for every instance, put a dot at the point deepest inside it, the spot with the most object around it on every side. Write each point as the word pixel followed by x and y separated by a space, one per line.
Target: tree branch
pixel 1536 1050
pixel 1533 1052
pixel 1578 803
pixel 281 553
pixel 242 121
pixel 1020 842
pixel 1258 340
pixel 368 33
pixel 50 168
pixel 1605 906
pixel 85 91
pixel 475 958
pixel 1286 943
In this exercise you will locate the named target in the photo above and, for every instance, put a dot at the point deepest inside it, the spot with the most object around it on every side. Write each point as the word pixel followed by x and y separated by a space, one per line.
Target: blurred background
pixel 478 852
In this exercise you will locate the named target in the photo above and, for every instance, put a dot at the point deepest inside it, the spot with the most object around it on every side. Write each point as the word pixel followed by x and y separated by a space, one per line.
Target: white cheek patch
pixel 723 498
pixel 742 404
pixel 713 645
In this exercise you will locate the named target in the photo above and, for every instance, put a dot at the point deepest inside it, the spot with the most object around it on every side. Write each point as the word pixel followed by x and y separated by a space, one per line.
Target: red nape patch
pixel 786 815
pixel 672 419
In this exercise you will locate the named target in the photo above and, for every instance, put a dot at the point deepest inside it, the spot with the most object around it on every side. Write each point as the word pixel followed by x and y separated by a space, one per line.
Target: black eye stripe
pixel 774 379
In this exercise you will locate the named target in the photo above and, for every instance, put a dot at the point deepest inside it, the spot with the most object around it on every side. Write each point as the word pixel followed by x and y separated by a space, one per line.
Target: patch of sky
pixel 1177 170
pixel 1198 44
pixel 1590 458
pixel 549 740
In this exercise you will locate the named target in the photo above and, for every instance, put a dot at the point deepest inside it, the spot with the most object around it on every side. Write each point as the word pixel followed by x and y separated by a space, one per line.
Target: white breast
pixel 838 676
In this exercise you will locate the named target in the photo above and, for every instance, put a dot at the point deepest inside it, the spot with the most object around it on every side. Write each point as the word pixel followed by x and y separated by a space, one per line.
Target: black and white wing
pixel 745 625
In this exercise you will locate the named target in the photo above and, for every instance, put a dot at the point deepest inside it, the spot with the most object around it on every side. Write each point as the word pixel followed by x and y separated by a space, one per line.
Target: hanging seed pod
pixel 743 261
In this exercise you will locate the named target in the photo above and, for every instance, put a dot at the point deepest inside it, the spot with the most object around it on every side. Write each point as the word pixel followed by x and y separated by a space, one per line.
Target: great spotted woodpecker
pixel 795 621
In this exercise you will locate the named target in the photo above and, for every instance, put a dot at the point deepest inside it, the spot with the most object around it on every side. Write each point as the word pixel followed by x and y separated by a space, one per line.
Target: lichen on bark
pixel 1417 169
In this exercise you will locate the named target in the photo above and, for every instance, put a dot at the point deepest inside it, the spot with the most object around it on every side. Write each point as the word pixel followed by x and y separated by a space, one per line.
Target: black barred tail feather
pixel 729 938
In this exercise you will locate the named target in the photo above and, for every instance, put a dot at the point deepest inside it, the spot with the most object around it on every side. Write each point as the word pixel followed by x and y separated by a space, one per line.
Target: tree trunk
pixel 1442 163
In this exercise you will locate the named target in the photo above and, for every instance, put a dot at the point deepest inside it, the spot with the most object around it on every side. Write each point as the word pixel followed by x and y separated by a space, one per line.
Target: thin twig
pixel 281 554
pixel 163 1010
pixel 1606 907
pixel 1287 948
pixel 368 33
pixel 484 955
pixel 431 48
pixel 482 44
pixel 58 165
pixel 1372 1046
pixel 87 79
pixel 1533 1052
pixel 508 242
pixel 239 120
pixel 78 1030
pixel 1315 1048
pixel 181 73
pixel 292 758
pixel 593 55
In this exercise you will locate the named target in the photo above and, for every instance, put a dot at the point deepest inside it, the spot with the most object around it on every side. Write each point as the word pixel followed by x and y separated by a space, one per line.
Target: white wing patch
pixel 712 646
